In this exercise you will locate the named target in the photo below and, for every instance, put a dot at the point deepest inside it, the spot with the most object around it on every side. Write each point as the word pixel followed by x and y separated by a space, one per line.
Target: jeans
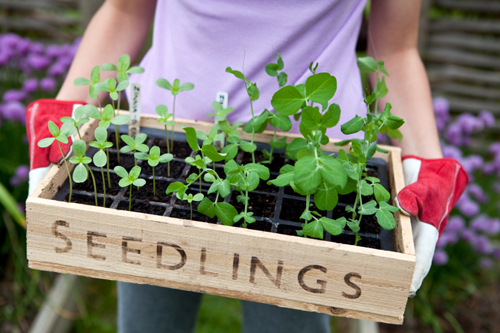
pixel 150 309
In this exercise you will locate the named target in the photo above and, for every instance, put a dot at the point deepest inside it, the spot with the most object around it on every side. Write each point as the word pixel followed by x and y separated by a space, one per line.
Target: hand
pixel 433 186
pixel 38 115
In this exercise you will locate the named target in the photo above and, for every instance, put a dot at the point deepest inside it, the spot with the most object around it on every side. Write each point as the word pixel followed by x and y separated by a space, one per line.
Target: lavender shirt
pixel 195 40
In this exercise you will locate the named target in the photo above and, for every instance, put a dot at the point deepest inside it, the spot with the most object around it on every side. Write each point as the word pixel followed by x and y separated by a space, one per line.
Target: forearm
pixel 410 97
pixel 119 27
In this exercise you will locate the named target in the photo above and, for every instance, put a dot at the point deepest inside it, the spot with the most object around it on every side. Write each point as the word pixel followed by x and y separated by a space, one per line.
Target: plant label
pixel 135 110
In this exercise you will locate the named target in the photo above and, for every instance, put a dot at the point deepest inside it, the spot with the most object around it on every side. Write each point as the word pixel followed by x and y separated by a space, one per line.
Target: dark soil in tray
pixel 257 225
pixel 292 209
pixel 143 207
pixel 126 160
pixel 88 185
pixel 186 214
pixel 146 192
pixel 181 148
pixel 370 242
pixel 368 224
pixel 88 200
pixel 260 204
pixel 111 138
pixel 161 170
pixel 218 169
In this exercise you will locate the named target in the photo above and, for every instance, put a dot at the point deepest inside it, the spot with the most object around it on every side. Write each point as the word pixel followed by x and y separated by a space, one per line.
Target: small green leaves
pixel 163 83
pixel 353 126
pixel 134 144
pixel 44 143
pixel 80 81
pixel 280 121
pixel 320 88
pixel 176 87
pixel 248 146
pixel 326 197
pixel 129 178
pixel 367 65
pixel 385 217
pixel 99 158
pixel 381 194
pixel 207 207
pixel 212 153
pixel 288 100
pixel 191 138
pixel 315 228
pixel 154 157
pixel 225 212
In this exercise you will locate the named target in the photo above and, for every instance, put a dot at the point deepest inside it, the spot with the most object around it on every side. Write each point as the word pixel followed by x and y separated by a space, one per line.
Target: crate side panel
pixel 213 256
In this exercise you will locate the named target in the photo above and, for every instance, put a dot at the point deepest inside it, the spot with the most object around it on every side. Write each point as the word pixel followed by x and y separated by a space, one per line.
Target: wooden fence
pixel 460 45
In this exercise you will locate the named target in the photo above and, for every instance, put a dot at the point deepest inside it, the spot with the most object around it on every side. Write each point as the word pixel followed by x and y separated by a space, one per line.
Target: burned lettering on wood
pixel 203 259
pixel 56 233
pixel 126 249
pixel 91 244
pixel 256 262
pixel 322 283
pixel 159 250
pixel 236 264
pixel 347 280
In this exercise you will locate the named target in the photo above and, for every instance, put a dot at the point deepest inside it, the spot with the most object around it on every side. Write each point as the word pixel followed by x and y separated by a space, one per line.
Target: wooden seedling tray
pixel 294 272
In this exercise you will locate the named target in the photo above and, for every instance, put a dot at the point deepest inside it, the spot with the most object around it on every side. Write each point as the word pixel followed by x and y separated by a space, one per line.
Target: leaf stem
pixel 67 169
pixel 199 176
pixel 78 131
pixel 246 208
pixel 107 167
pixel 154 184
pixel 173 118
pixel 272 149
pixel 117 139
pixel 168 150
pixel 104 187
pixel 130 198
pixel 93 180
pixel 191 205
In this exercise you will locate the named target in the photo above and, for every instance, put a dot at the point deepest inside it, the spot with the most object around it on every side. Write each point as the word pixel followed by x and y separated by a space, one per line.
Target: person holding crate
pixel 196 40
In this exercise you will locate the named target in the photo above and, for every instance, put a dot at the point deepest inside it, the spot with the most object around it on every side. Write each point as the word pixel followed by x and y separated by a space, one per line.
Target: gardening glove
pixel 433 186
pixel 38 115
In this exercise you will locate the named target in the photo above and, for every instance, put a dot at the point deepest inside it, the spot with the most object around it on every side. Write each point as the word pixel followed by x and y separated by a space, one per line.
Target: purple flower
pixel 441 106
pixel 452 152
pixel 447 238
pixel 440 258
pixel 480 223
pixel 21 207
pixel 477 192
pixel 487 118
pixel 486 263
pixel 23 46
pixel 4 57
pixel 482 245
pixel 469 236
pixel 495 148
pixel 455 224
pixel 468 123
pixel 14 111
pixel 496 253
pixel 52 51
pixel 468 207
pixel 56 70
pixel 496 187
pixel 454 134
pixel 489 168
pixel 48 84
pixel 10 40
pixel 20 177
pixel 36 47
pixel 14 95
pixel 30 85
pixel 37 61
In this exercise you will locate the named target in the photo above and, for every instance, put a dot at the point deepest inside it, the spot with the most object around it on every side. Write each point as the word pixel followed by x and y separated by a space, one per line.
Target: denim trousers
pixel 151 309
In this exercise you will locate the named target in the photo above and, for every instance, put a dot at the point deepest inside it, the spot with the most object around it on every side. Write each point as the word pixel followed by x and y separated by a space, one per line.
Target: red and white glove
pixel 38 115
pixel 433 186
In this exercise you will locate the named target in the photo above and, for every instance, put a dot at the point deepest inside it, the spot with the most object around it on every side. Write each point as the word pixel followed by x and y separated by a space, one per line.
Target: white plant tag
pixel 135 110
pixel 222 98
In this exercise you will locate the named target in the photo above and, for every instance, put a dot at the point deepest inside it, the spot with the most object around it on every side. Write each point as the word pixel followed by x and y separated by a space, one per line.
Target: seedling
pixel 245 178
pixel 60 135
pixel 78 121
pixel 106 118
pixel 134 144
pixel 154 158
pixel 100 158
pixel 129 179
pixel 175 89
pixel 198 163
pixel 162 111
pixel 253 95
pixel 190 198
pixel 93 83
pixel 220 121
pixel 80 174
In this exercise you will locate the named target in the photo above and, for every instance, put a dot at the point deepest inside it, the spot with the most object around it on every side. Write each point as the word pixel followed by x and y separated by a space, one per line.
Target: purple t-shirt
pixel 195 40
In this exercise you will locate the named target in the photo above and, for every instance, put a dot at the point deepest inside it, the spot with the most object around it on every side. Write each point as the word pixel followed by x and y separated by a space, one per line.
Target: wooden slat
pixel 448 72
pixel 470 6
pixel 383 286
pixel 481 26
pixel 464 41
pixel 461 57
pixel 459 104
pixel 468 90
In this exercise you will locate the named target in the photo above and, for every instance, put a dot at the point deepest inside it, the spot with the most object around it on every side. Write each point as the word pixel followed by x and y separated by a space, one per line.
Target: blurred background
pixel 459 41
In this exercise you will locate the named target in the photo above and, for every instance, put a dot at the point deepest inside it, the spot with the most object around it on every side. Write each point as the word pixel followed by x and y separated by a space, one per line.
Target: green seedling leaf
pixel 262 171
pixel 91 111
pixel 385 217
pixel 282 79
pixel 191 138
pixel 353 126
pixel 80 174
pixel 225 212
pixel 53 129
pixel 278 144
pixel 307 174
pixel 99 158
pixel 331 116
pixel 332 171
pixel 381 194
pixel 272 69
pixel 108 67
pixel 135 70
pixel 288 100
pixel 212 153
pixel 368 208
pixel 231 151
pixel 350 170
pixel 163 83
pixel 367 65
pixel 139 182
pixel 186 86
pixel 320 88
pixel 326 197
pixel 79 148
pixel 236 73
pixel 44 143
pixel 295 146
pixel 248 146
pixel 353 225
pixel 313 229
pixel 381 88
pixel 334 227
pixel 80 81
pixel 280 121
pixel 366 189
pixel 198 197
pixel 206 207
pixel 175 187
pixel 394 122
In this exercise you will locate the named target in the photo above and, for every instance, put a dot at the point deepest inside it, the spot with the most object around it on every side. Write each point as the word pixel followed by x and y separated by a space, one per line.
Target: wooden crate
pixel 293 272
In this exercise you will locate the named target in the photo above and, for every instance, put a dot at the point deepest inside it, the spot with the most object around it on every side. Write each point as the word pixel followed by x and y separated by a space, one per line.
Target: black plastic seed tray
pixel 168 205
